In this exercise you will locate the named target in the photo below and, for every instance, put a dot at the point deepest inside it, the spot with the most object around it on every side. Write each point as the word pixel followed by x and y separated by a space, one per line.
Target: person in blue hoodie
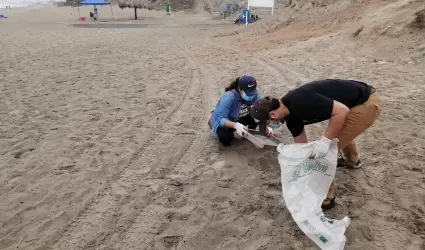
pixel 232 111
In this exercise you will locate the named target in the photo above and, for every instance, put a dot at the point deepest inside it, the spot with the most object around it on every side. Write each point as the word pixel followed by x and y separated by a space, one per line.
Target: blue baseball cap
pixel 248 84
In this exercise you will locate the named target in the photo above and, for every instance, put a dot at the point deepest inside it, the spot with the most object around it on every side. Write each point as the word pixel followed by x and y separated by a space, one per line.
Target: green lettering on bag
pixel 307 167
pixel 323 239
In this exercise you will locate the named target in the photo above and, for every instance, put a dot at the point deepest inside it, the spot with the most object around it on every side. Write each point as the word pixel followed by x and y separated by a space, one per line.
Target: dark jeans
pixel 225 135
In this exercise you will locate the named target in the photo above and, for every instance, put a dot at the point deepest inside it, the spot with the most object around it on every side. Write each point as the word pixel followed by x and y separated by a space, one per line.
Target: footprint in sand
pixel 272 189
pixel 171 241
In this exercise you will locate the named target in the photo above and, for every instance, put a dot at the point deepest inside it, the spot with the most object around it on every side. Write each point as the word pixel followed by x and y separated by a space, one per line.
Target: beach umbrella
pixel 137 4
pixel 150 4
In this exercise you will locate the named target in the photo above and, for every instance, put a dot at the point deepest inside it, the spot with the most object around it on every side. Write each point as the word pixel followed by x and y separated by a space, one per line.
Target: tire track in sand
pixel 166 191
pixel 101 213
pixel 290 80
pixel 202 138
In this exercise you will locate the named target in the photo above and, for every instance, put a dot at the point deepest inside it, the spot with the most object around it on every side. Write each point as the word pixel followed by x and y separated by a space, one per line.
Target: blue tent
pixel 95 3
pixel 245 17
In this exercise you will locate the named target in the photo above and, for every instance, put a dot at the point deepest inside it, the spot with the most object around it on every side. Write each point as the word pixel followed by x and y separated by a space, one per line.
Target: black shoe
pixel 340 162
pixel 331 205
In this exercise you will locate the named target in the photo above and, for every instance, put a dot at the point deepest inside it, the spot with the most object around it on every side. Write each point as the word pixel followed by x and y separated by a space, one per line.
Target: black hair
pixel 275 102
pixel 233 85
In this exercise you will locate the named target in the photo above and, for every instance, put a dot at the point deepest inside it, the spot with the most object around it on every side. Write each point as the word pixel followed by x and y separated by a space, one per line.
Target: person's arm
pixel 308 105
pixel 223 110
pixel 296 127
pixel 339 114
pixel 229 124
pixel 302 138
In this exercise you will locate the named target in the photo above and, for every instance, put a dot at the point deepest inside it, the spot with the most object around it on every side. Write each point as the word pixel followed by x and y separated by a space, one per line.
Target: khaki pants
pixel 359 119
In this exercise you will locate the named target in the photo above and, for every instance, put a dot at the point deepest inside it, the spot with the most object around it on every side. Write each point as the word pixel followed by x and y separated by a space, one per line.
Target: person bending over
pixel 351 106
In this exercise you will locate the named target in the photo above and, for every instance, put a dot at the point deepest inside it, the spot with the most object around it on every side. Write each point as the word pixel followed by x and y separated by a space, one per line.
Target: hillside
pixel 398 25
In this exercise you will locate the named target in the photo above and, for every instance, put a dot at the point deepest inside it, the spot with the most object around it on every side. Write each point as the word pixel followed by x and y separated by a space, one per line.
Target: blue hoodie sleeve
pixel 223 108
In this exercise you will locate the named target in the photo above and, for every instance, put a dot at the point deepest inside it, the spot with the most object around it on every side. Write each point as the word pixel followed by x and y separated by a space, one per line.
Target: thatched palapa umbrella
pixel 136 4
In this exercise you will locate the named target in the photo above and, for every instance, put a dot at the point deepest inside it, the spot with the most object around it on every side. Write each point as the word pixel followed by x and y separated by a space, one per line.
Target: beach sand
pixel 104 142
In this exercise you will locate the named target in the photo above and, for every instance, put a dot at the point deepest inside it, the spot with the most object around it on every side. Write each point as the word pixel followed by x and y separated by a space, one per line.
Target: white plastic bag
pixel 305 184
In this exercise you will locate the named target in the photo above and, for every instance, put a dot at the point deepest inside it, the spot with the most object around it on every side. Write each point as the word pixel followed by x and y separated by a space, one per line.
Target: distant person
pixel 168 8
pixel 232 111
pixel 96 15
pixel 226 10
pixel 350 106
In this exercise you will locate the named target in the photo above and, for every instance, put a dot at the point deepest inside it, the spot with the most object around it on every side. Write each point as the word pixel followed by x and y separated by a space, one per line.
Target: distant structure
pixel 137 4
pixel 158 4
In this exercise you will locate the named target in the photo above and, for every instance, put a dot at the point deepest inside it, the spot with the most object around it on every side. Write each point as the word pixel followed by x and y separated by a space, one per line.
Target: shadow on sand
pixel 111 25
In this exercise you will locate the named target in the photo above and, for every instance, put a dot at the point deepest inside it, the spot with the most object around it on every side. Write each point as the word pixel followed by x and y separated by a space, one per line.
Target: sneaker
pixel 357 165
pixel 343 163
pixel 331 205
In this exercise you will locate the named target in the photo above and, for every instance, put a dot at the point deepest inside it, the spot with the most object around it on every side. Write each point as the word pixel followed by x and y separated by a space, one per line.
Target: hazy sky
pixel 26 1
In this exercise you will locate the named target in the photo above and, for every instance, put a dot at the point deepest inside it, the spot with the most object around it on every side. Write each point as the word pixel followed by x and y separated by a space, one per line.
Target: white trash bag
pixel 305 184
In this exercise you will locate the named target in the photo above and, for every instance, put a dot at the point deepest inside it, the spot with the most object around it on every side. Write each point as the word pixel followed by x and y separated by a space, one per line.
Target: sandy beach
pixel 104 142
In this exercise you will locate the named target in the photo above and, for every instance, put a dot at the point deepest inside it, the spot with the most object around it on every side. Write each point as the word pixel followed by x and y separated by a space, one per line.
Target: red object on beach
pixel 83 18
